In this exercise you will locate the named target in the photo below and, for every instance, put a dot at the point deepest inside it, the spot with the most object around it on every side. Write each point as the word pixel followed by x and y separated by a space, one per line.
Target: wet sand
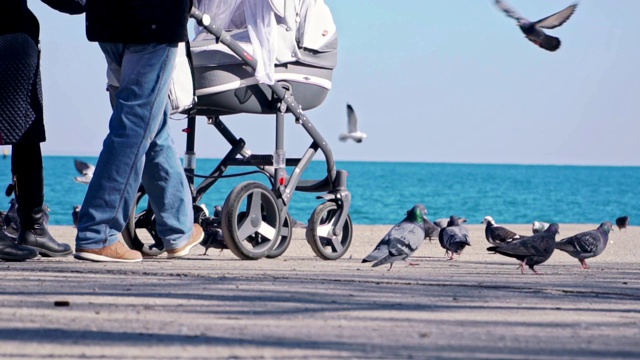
pixel 298 306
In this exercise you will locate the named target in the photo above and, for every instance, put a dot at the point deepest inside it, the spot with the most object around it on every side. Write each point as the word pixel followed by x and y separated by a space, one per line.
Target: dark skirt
pixel 21 118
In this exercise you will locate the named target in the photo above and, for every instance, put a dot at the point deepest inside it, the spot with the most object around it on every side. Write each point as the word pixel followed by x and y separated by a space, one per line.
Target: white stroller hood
pixel 273 31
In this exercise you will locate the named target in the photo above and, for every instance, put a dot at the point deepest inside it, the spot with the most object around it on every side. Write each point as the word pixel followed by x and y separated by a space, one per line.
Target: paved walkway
pixel 298 306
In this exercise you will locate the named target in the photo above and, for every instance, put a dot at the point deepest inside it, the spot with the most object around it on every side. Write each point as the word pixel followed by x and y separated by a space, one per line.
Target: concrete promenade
pixel 298 306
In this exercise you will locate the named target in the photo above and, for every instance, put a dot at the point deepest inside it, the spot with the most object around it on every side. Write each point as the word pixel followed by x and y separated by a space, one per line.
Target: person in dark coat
pixel 22 126
pixel 140 38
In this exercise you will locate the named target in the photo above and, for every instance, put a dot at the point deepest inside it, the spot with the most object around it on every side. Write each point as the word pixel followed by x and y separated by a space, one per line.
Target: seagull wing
pixel 83 167
pixel 352 120
pixel 557 19
pixel 509 10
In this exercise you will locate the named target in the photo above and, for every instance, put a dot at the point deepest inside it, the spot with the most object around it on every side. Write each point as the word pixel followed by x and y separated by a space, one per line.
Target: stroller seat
pixel 297 46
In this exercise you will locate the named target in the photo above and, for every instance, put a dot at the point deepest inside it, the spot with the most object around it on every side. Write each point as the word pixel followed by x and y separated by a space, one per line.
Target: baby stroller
pixel 271 57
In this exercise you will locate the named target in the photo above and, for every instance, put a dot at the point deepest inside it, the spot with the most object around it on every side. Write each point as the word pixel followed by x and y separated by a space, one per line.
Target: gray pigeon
pixel 533 29
pixel 352 127
pixel 586 244
pixel 432 229
pixel 497 235
pixel 622 222
pixel 402 240
pixel 539 226
pixel 442 223
pixel 454 238
pixel 530 251
pixel 86 171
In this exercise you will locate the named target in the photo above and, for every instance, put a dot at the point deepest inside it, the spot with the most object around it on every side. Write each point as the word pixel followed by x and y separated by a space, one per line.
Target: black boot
pixel 10 251
pixel 27 169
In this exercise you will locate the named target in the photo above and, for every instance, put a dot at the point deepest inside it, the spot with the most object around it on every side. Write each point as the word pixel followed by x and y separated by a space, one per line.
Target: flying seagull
pixel 85 169
pixel 352 127
pixel 402 240
pixel 586 244
pixel 533 29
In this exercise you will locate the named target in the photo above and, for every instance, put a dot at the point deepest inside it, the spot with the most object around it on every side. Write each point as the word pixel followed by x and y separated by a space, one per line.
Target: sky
pixel 430 81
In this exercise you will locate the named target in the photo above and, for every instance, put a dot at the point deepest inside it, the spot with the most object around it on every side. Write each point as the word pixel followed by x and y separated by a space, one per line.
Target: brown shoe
pixel 117 252
pixel 196 237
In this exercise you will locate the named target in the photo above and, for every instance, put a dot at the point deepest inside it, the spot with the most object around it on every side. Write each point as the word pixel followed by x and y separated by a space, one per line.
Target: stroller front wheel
pixel 320 235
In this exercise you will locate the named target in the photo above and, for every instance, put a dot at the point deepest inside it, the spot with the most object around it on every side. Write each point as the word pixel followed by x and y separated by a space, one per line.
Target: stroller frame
pixel 264 227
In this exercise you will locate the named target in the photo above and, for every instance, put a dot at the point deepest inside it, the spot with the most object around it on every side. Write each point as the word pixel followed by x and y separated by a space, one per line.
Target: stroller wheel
pixel 286 232
pixel 320 236
pixel 140 232
pixel 251 221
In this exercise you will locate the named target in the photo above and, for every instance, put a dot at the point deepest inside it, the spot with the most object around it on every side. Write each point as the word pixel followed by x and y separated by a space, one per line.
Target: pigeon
pixel 622 222
pixel 532 250
pixel 86 171
pixel 402 240
pixel 539 226
pixel 533 30
pixel 442 223
pixel 74 214
pixel 586 244
pixel 11 219
pixel 454 238
pixel 352 127
pixel 213 237
pixel 497 235
pixel 432 229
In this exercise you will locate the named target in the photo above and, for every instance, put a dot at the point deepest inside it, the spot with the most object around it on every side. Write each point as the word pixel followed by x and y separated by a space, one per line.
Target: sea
pixel 382 192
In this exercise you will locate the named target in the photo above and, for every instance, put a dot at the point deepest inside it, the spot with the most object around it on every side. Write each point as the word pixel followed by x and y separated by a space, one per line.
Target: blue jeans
pixel 138 149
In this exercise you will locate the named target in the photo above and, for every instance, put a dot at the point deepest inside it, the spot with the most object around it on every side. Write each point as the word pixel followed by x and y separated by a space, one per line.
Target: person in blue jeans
pixel 140 37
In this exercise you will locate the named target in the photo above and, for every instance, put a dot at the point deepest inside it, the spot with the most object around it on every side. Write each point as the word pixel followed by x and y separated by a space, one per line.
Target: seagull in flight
pixel 352 127
pixel 86 171
pixel 533 29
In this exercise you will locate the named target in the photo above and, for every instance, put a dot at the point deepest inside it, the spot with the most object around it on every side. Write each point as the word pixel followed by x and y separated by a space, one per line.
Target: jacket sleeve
pixel 72 7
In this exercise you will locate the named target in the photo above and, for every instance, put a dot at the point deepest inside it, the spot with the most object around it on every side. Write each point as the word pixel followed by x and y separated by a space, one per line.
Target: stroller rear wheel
pixel 251 221
pixel 320 235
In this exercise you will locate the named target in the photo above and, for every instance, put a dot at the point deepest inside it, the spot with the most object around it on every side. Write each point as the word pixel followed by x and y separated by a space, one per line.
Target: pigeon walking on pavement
pixel 432 230
pixel 497 235
pixel 442 223
pixel 533 29
pixel 622 222
pixel 454 238
pixel 402 240
pixel 352 127
pixel 86 171
pixel 586 244
pixel 530 251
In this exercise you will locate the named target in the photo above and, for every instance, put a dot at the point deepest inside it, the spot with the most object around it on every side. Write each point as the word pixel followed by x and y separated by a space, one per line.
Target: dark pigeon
pixel 74 214
pixel 622 222
pixel 586 244
pixel 402 240
pixel 213 237
pixel 497 235
pixel 432 229
pixel 454 238
pixel 539 226
pixel 530 251
pixel 533 29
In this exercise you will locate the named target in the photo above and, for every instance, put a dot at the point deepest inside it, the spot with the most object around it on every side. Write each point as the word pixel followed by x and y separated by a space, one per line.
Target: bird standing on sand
pixel 74 214
pixel 352 127
pixel 497 235
pixel 533 29
pixel 432 229
pixel 86 171
pixel 454 238
pixel 402 240
pixel 442 223
pixel 622 222
pixel 586 244
pixel 530 251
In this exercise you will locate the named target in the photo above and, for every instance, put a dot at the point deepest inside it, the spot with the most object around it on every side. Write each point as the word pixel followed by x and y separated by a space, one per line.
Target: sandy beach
pixel 298 306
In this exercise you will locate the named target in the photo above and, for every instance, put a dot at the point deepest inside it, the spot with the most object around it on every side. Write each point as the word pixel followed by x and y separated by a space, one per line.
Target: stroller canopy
pixel 276 31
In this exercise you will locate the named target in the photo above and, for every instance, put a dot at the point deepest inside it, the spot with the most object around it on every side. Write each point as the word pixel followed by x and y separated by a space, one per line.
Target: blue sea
pixel 383 191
